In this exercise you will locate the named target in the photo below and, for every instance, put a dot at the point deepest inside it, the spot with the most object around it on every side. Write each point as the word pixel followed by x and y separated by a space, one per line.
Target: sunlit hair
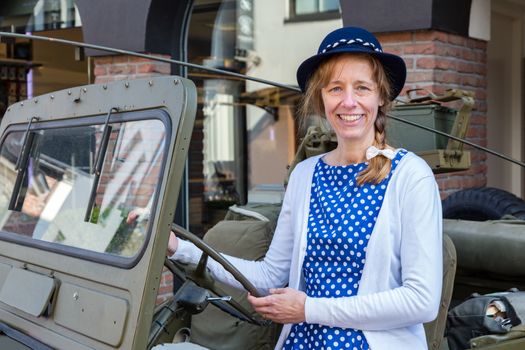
pixel 312 104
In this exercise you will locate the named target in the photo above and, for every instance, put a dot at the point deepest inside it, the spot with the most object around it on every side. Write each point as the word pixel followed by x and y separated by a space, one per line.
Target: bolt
pixel 69 92
pixel 150 83
pixel 126 84
pixel 176 81
pixel 75 296
pixel 105 87
pixel 36 100
pixel 52 96
pixel 84 89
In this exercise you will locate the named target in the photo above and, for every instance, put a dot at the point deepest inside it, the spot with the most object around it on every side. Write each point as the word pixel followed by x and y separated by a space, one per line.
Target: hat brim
pixel 394 67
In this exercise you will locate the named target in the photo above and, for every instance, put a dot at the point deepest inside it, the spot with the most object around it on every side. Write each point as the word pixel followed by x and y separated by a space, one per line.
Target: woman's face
pixel 351 101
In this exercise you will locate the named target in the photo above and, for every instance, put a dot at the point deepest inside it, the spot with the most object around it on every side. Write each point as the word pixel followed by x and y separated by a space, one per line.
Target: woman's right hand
pixel 173 244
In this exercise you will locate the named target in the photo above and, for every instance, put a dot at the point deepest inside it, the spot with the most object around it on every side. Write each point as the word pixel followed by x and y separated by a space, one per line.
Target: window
pixel 56 196
pixel 37 15
pixel 244 135
pixel 314 9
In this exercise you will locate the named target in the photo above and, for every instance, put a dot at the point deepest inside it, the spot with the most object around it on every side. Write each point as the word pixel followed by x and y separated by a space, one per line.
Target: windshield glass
pixel 56 182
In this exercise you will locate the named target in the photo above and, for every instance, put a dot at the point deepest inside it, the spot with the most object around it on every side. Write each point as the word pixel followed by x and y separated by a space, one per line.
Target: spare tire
pixel 480 204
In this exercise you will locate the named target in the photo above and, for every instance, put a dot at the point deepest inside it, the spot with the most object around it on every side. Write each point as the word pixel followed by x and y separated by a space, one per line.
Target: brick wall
pixel 437 61
pixel 112 68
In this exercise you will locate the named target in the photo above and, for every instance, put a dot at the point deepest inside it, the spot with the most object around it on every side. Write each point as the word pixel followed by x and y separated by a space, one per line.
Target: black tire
pixel 480 204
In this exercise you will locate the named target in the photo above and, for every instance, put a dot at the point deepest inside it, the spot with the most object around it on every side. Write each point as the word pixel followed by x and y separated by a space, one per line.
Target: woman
pixel 358 241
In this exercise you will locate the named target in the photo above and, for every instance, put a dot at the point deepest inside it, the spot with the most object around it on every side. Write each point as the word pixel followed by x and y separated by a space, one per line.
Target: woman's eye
pixel 335 89
pixel 363 88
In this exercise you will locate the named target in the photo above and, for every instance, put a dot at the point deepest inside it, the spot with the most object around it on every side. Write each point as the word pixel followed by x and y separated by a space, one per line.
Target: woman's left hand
pixel 283 305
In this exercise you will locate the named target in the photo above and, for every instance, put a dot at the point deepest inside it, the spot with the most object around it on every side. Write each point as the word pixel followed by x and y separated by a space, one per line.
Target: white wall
pixel 283 46
pixel 505 96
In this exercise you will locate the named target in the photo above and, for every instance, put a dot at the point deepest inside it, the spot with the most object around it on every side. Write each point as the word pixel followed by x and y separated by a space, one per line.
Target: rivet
pixel 21 104
pixel 126 84
pixel 84 89
pixel 52 96
pixel 75 296
pixel 176 81
pixel 69 92
pixel 150 83
pixel 36 100
pixel 8 109
pixel 105 87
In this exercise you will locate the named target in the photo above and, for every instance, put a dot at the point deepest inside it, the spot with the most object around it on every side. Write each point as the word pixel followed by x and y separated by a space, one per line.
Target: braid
pixel 379 166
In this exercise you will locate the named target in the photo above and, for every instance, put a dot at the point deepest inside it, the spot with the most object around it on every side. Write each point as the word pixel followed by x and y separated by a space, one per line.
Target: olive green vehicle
pixel 76 273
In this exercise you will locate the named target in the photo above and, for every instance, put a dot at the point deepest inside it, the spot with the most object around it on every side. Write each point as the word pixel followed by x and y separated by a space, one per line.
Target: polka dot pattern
pixel 340 222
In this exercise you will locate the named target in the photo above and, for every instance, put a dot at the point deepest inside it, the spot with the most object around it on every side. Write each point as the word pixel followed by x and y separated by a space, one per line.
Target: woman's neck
pixel 344 155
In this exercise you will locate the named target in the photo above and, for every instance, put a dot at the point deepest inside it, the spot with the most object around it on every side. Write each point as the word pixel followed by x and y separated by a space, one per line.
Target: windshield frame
pixel 104 258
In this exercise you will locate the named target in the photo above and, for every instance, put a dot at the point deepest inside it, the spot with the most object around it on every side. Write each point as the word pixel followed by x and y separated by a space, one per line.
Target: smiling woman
pixel 363 202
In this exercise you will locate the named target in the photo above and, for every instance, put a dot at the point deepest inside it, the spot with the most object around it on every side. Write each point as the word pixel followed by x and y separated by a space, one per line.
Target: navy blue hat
pixel 359 40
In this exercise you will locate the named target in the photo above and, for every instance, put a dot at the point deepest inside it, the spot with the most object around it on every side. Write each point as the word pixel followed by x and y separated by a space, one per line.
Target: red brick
pixel 409 62
pixel 469 54
pixel 447 77
pixel 100 70
pixel 480 94
pixel 146 68
pixel 476 44
pixel 103 60
pixel 470 67
pixel 456 40
pixel 125 69
pixel 476 132
pixel 419 77
pixel 478 120
pixel 436 89
pixel 394 37
pixel 420 49
pixel 481 56
pixel 430 36
pixel 448 50
pixel 436 63
pixel 472 80
pixel 394 49
pixel 102 80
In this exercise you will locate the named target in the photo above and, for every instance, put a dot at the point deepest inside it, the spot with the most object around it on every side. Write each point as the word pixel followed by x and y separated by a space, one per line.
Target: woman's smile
pixel 350 117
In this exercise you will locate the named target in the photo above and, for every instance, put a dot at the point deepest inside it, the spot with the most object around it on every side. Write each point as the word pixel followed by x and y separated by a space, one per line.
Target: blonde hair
pixel 312 104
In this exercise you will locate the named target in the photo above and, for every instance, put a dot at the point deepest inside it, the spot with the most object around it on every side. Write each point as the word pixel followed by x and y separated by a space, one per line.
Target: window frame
pixel 293 17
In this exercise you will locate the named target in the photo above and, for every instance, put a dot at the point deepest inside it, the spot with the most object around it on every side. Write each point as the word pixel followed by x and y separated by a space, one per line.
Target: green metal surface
pixel 417 140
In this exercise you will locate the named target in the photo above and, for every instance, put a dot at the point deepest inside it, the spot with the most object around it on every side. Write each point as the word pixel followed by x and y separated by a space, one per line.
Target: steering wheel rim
pixel 203 280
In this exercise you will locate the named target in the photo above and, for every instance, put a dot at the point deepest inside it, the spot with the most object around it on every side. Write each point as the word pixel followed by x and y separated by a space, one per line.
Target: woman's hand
pixel 173 244
pixel 283 305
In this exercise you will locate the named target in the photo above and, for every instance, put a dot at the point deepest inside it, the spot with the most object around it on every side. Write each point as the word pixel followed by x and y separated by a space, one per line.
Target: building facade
pixel 246 133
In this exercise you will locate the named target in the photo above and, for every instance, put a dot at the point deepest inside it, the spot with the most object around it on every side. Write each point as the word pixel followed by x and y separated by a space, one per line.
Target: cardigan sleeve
pixel 417 298
pixel 273 271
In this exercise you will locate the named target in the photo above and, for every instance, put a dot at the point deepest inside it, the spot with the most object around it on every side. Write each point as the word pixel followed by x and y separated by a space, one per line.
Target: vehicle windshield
pixel 51 203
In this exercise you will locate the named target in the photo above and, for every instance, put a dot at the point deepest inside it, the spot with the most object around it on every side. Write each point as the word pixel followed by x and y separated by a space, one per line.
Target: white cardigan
pixel 400 286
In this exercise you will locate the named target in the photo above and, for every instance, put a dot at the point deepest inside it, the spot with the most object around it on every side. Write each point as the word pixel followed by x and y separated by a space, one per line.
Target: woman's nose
pixel 349 98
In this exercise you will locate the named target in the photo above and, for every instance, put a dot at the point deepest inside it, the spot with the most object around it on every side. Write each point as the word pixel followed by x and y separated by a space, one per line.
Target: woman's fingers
pixel 284 305
pixel 173 244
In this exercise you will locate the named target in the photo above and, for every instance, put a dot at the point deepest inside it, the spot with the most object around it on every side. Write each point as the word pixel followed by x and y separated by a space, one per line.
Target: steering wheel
pixel 202 278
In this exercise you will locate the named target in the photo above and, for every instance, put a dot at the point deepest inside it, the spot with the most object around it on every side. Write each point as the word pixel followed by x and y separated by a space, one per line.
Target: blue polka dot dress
pixel 340 221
